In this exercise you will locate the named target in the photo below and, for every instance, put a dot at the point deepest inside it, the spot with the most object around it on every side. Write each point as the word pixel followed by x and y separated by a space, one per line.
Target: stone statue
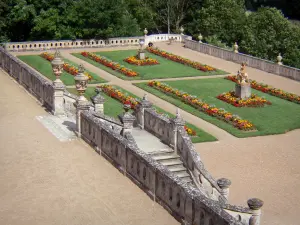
pixel 242 76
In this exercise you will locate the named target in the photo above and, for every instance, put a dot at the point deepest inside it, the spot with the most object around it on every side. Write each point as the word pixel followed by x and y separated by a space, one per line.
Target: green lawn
pixel 113 108
pixel 44 67
pixel 166 68
pixel 280 117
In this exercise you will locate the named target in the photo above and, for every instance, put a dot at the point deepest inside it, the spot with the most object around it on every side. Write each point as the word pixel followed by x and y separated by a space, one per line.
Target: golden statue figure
pixel 242 76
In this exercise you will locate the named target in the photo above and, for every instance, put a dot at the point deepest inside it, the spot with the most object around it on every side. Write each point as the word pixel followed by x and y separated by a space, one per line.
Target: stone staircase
pixel 172 161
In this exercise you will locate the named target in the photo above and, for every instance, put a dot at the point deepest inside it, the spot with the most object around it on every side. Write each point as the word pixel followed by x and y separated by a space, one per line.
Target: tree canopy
pixel 260 31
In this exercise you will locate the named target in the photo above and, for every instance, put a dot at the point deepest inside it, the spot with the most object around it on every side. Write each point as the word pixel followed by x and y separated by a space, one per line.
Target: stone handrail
pixel 33 81
pixel 182 200
pixel 261 64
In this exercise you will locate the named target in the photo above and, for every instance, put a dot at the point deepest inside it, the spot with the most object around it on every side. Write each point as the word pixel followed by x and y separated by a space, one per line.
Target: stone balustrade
pixel 261 64
pixel 183 201
pixel 32 81
pixel 92 43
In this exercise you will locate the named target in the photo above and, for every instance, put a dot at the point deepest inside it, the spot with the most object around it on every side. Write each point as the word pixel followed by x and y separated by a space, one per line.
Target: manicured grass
pixel 113 108
pixel 280 117
pixel 166 68
pixel 44 67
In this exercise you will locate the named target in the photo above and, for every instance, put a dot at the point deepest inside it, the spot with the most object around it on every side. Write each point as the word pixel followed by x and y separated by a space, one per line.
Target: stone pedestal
pixel 58 99
pixel 224 184
pixel 243 91
pixel 140 111
pixel 141 55
pixel 127 120
pixel 176 122
pixel 255 205
pixel 80 105
pixel 98 101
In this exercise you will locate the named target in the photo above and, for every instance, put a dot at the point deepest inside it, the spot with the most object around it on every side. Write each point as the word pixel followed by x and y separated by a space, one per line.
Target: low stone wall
pixel 33 81
pixel 183 201
pixel 158 125
pixel 261 64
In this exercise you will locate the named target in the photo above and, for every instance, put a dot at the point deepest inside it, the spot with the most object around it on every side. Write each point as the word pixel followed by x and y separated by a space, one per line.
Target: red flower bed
pixel 108 63
pixel 202 106
pixel 141 62
pixel 270 90
pixel 253 101
pixel 67 67
pixel 129 100
pixel 180 59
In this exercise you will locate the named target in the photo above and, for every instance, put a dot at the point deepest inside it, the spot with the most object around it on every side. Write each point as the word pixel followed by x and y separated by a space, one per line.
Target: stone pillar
pixel 255 205
pixel 80 105
pixel 98 101
pixel 177 122
pixel 140 111
pixel 127 119
pixel 224 184
pixel 58 99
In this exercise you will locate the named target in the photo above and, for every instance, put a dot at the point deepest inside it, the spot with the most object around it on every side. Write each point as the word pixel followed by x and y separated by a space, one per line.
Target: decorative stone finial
pixel 81 69
pixel 200 37
pixel 181 30
pixel 255 203
pixel 145 97
pixel 223 183
pixel 236 47
pixel 279 59
pixel 57 66
pixel 145 31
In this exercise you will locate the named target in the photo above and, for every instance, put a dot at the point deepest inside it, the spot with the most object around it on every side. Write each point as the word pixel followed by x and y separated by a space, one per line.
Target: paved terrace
pixel 45 181
pixel 264 167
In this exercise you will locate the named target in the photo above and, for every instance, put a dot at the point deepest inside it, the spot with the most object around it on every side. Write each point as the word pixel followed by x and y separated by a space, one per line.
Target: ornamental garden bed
pixel 113 106
pixel 253 101
pixel 165 69
pixel 270 90
pixel 278 118
pixel 134 60
pixel 44 67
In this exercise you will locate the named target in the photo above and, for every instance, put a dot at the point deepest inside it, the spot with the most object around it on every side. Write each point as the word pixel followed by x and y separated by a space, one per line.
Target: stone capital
pixel 255 203
pixel 223 183
pixel 98 99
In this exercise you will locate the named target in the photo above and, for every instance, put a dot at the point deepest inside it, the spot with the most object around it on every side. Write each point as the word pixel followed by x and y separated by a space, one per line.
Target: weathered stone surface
pixel 223 183
pixel 255 203
pixel 243 91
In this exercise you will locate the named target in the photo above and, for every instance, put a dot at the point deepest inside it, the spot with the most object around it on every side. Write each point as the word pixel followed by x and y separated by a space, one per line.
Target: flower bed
pixel 270 90
pixel 67 67
pixel 141 62
pixel 108 63
pixel 253 101
pixel 204 107
pixel 179 59
pixel 129 100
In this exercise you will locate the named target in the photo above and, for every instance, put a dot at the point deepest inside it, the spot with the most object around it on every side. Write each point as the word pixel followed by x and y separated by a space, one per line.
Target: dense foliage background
pixel 259 26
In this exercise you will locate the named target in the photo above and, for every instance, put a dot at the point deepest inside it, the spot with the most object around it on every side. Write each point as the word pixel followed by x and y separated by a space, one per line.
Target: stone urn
pixel 81 81
pixel 57 66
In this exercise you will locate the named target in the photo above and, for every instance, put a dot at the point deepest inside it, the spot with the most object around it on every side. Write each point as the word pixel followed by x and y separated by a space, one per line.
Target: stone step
pixel 165 156
pixel 176 168
pixel 169 162
pixel 161 152
pixel 181 174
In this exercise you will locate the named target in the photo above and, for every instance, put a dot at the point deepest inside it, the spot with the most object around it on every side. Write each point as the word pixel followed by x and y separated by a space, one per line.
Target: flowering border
pixel 253 101
pixel 134 60
pixel 211 110
pixel 109 63
pixel 127 99
pixel 270 90
pixel 179 59
pixel 67 67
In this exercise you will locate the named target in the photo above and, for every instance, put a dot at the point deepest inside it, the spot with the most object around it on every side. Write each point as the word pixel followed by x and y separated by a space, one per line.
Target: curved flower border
pixel 179 59
pixel 67 67
pixel 129 100
pixel 270 90
pixel 108 63
pixel 134 60
pixel 253 101
pixel 211 110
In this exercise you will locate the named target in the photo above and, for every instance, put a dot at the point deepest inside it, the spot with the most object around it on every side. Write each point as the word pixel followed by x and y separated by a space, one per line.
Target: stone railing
pixel 261 64
pixel 70 44
pixel 191 159
pixel 33 82
pixel 158 125
pixel 183 201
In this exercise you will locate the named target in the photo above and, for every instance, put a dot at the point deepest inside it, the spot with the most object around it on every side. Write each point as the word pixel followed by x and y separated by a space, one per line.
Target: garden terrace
pixel 44 67
pixel 277 118
pixel 113 108
pixel 165 69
